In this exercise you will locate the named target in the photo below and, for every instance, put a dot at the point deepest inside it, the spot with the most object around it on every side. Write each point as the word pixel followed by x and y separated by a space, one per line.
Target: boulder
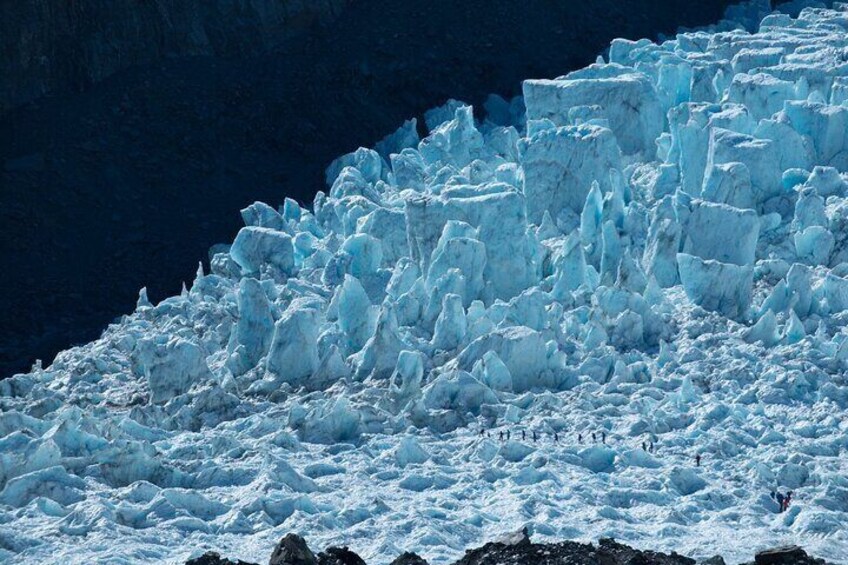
pixel 292 550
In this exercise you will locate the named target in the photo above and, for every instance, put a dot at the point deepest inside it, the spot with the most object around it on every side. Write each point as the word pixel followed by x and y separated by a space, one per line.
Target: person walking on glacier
pixel 604 438
pixel 500 435
pixel 697 459
pixel 778 496
pixel 523 435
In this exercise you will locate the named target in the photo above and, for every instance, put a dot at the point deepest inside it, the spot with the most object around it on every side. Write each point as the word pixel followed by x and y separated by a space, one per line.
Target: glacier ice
pixel 654 248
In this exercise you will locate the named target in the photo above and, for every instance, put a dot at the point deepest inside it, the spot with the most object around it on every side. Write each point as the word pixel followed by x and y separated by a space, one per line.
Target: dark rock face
pixel 791 555
pixel 517 549
pixel 409 558
pixel 214 558
pixel 292 550
pixel 61 46
pixel 339 556
pixel 163 119
pixel 608 552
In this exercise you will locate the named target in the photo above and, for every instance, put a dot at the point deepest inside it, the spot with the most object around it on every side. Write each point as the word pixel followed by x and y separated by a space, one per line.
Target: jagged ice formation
pixel 654 246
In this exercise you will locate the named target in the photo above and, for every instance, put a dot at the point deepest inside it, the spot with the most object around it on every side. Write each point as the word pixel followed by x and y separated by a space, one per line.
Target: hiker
pixel 780 499
pixel 500 435
pixel 482 432
pixel 534 436
pixel 651 447
pixel 593 438
pixel 507 435
pixel 787 500
pixel 644 446
pixel 579 438
pixel 556 437
pixel 523 435
pixel 698 460
pixel 604 438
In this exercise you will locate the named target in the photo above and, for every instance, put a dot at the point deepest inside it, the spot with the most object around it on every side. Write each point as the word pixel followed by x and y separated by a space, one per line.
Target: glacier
pixel 649 250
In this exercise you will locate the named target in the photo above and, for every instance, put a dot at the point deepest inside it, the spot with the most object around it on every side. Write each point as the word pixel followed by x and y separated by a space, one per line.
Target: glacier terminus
pixel 482 328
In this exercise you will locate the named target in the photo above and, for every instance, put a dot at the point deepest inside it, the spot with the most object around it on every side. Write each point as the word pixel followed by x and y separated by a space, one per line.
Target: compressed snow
pixel 531 320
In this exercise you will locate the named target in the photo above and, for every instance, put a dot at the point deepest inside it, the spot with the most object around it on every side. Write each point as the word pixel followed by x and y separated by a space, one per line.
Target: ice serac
pixel 720 287
pixel 172 365
pixel 294 353
pixel 628 100
pixel 499 216
pixel 258 246
pixel 255 324
pixel 560 165
pixel 722 233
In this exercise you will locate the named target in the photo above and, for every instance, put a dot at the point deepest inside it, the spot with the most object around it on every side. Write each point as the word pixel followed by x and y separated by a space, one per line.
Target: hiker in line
pixel 534 436
pixel 778 496
pixel 482 432
pixel 593 438
pixel 651 447
pixel 556 437
pixel 579 438
pixel 787 500
pixel 698 460
pixel 507 435
pixel 523 435
pixel 500 435
pixel 604 438
pixel 644 446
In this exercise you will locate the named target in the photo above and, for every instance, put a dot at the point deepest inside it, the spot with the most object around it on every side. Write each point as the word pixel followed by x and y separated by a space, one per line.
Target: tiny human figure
pixel 780 500
pixel 482 432
pixel 500 435
pixel 787 500
pixel 534 436
pixel 523 435
pixel 651 447
pixel 507 435
pixel 594 440
pixel 644 446
pixel 604 438
pixel 698 460
pixel 556 437
pixel 579 438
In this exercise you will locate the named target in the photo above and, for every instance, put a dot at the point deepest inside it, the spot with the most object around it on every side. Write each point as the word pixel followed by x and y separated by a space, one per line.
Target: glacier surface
pixel 652 250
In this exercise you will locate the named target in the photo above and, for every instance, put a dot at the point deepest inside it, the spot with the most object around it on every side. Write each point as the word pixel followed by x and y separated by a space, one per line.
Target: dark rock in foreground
pixel 214 558
pixel 791 555
pixel 292 550
pixel 339 556
pixel 608 552
pixel 409 558
pixel 517 549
